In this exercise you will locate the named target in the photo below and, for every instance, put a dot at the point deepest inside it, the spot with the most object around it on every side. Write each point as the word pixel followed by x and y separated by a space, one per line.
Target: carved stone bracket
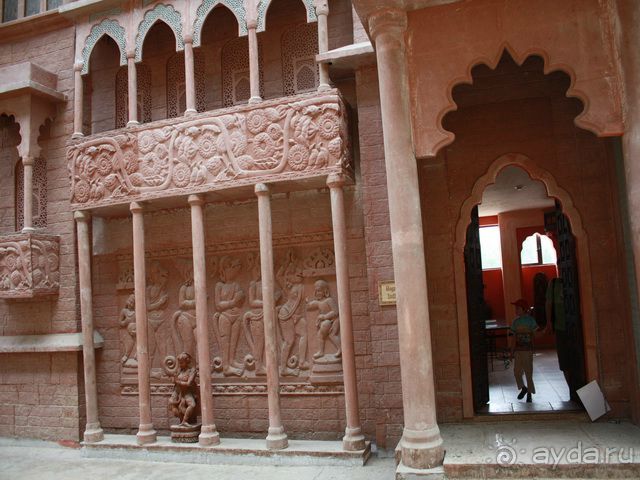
pixel 29 265
pixel 291 138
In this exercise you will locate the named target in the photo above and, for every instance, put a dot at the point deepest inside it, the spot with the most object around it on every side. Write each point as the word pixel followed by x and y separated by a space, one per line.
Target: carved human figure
pixel 127 322
pixel 157 298
pixel 253 319
pixel 327 322
pixel 184 319
pixel 291 318
pixel 182 403
pixel 229 297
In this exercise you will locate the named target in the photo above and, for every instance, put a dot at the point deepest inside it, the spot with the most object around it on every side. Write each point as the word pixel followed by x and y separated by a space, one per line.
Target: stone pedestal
pixel 326 370
pixel 185 433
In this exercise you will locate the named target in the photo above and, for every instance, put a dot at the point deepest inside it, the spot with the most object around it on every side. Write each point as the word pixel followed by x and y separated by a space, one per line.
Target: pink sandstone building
pixel 295 193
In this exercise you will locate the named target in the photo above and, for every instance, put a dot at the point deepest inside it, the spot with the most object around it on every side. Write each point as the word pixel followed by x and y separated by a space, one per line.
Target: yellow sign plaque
pixel 387 293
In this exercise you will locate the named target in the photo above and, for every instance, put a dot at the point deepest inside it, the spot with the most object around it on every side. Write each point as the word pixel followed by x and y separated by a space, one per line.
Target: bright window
pixel 490 250
pixel 538 250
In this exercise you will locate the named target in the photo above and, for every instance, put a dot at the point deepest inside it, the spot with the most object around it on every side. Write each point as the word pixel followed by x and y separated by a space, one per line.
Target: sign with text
pixel 387 293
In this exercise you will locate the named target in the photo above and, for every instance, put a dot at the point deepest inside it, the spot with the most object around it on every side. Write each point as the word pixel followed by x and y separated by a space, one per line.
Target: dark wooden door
pixel 475 302
pixel 568 273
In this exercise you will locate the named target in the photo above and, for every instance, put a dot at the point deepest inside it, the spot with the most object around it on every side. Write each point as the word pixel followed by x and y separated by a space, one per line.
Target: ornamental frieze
pixel 29 265
pixel 284 139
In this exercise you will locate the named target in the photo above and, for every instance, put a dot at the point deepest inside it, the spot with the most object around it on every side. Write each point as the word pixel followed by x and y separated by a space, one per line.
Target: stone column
pixel 276 438
pixel 77 100
pixel 93 431
pixel 27 167
pixel 254 62
pixel 322 11
pixel 132 89
pixel 189 76
pixel 421 443
pixel 208 435
pixel 146 433
pixel 353 438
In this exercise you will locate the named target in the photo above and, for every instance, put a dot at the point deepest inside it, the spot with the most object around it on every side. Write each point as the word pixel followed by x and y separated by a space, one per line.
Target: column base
pixel 254 100
pixel 353 440
pixel 146 434
pixel 28 230
pixel 93 434
pixel 208 436
pixel 324 87
pixel 422 449
pixel 189 112
pixel 277 439
pixel 133 123
pixel 405 473
pixel 75 135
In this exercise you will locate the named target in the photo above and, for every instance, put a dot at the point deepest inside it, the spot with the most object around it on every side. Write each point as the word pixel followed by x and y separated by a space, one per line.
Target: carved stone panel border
pixel 236 7
pixel 166 14
pixel 285 139
pixel 263 6
pixel 108 27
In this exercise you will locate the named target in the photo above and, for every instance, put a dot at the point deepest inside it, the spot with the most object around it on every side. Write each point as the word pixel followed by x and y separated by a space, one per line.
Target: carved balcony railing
pixel 287 139
pixel 29 265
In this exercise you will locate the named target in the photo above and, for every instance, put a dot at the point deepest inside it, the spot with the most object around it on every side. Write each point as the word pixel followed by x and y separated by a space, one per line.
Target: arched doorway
pixel 517 234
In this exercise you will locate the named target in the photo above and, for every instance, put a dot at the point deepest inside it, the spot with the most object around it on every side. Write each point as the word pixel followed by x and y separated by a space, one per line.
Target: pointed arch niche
pixel 582 245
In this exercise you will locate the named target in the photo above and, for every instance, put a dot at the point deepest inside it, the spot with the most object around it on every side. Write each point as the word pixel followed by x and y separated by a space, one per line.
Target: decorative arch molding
pixel 159 13
pixel 207 6
pixel 263 7
pixel 587 304
pixel 575 39
pixel 108 27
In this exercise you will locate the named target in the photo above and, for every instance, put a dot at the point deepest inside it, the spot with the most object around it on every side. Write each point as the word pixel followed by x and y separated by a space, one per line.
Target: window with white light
pixel 538 250
pixel 490 250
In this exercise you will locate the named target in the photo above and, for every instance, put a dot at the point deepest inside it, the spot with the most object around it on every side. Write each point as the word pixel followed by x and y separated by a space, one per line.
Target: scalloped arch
pixel 584 267
pixel 159 13
pixel 448 137
pixel 207 6
pixel 263 7
pixel 108 27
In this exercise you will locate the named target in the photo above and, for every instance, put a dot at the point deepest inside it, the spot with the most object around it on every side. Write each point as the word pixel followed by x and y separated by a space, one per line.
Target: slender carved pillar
pixel 93 431
pixel 132 89
pixel 254 62
pixel 353 438
pixel 77 100
pixel 27 167
pixel 146 433
pixel 322 11
pixel 189 76
pixel 208 435
pixel 277 438
pixel 421 443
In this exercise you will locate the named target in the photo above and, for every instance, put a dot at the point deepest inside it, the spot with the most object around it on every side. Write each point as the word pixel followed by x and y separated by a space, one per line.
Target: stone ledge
pixel 405 473
pixel 231 451
pixel 53 342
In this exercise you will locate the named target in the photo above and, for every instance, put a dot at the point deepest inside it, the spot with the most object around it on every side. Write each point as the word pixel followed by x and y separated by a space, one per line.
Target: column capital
pixel 262 190
pixel 392 21
pixel 131 54
pixel 252 23
pixel 335 180
pixel 82 216
pixel 196 199
pixel 136 207
pixel 321 6
pixel 77 67
pixel 188 38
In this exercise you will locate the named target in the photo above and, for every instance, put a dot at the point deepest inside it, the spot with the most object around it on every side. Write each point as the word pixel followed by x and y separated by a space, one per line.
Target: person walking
pixel 523 328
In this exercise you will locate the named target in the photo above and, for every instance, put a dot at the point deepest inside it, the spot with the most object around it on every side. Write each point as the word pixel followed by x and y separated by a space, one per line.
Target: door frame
pixel 587 304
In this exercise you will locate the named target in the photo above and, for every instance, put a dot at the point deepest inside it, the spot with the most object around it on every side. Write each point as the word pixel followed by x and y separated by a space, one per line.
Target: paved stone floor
pixel 474 448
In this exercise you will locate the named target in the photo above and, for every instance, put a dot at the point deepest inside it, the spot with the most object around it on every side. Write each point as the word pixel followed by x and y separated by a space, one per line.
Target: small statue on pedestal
pixel 183 403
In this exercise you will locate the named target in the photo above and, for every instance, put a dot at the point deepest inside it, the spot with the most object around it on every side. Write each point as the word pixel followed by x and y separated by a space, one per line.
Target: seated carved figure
pixel 182 403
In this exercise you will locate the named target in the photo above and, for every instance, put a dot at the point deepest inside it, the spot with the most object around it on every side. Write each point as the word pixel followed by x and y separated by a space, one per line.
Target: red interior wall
pixel 493 292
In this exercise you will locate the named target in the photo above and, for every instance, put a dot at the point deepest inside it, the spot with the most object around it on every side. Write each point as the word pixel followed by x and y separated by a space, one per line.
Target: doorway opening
pixel 520 249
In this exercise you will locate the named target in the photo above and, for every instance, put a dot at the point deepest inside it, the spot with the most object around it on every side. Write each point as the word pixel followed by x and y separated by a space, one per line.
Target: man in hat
pixel 523 328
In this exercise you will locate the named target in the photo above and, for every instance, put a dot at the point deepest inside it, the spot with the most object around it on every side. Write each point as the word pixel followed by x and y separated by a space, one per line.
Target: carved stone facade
pixel 277 140
pixel 29 265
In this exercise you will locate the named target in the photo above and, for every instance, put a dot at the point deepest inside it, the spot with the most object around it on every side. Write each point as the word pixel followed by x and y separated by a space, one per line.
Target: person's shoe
pixel 528 397
pixel 522 393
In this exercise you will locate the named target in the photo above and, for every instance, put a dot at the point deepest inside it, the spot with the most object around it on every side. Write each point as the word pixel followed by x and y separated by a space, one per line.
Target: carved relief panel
pixel 308 336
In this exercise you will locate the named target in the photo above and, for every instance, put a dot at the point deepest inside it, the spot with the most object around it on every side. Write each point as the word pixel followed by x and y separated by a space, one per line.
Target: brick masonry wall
pixel 39 393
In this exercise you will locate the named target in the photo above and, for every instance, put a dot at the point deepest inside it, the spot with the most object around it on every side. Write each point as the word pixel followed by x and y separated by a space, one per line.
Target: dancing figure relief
pixel 183 322
pixel 157 299
pixel 291 318
pixel 327 321
pixel 229 298
pixel 127 322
